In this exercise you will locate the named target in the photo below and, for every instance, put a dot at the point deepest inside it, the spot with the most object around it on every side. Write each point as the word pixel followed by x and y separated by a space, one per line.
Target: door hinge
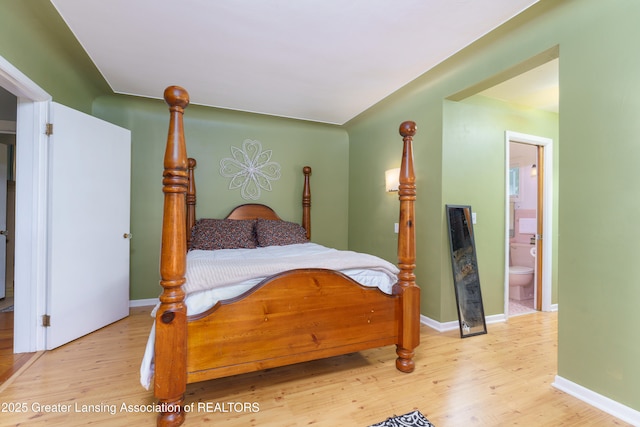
pixel 48 129
pixel 46 320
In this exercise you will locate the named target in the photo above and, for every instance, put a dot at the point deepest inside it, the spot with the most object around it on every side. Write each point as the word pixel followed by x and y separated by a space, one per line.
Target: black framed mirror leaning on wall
pixel 466 279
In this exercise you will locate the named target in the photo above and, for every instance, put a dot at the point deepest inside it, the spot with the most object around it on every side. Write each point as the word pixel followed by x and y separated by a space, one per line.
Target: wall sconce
pixel 534 170
pixel 392 179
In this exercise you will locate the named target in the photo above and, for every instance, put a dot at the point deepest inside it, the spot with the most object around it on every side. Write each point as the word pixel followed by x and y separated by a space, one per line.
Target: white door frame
pixel 31 208
pixel 547 215
pixel 4 169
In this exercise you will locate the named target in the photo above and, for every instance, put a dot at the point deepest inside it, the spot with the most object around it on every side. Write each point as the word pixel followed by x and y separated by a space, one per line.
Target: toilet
pixel 521 271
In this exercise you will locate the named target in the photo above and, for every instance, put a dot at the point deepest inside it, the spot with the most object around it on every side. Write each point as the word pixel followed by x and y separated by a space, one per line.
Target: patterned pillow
pixel 209 234
pixel 279 233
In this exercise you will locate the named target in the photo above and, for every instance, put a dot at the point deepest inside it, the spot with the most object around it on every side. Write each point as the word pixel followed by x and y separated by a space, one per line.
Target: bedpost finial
pixel 176 96
pixel 306 170
pixel 191 162
pixel 408 128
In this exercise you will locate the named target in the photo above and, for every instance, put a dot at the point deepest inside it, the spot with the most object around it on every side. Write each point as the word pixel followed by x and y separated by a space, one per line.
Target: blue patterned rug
pixel 412 419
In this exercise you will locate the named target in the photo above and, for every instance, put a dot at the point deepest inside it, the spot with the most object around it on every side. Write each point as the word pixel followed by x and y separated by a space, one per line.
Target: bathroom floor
pixel 517 308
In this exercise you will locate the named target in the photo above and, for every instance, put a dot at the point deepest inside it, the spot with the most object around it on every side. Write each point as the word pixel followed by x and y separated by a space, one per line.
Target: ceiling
pixel 538 88
pixel 319 60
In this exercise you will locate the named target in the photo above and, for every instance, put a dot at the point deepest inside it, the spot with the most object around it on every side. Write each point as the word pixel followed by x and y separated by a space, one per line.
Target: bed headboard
pixel 248 210
pixel 252 211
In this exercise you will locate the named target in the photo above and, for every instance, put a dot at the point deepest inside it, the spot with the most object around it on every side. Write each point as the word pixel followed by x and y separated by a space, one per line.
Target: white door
pixel 88 263
pixel 3 218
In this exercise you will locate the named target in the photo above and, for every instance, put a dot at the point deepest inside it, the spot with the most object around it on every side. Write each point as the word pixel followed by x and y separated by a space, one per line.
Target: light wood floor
pixel 499 379
pixel 9 363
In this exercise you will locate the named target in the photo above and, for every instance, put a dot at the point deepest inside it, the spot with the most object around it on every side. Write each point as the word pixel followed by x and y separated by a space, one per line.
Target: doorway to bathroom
pixel 528 221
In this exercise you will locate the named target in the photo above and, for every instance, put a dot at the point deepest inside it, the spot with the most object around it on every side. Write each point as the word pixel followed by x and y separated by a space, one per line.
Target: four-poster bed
pixel 289 317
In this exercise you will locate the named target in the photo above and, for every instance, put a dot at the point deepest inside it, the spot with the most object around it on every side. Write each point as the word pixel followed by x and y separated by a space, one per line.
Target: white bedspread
pixel 214 269
pixel 222 274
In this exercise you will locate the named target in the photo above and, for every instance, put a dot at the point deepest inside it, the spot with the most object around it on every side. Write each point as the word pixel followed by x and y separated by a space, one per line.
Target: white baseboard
pixel 496 318
pixel 453 325
pixel 438 326
pixel 599 401
pixel 143 302
pixel 450 326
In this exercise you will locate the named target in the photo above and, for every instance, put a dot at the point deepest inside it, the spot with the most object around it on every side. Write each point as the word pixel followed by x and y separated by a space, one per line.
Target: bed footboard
pixel 293 317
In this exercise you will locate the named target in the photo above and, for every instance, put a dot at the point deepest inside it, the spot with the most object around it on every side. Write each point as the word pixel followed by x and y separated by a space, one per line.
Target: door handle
pixel 127 236
pixel 4 233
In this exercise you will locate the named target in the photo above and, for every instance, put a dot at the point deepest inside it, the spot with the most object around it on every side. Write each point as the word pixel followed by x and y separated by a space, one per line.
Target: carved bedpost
pixel 191 200
pixel 409 336
pixel 171 321
pixel 306 201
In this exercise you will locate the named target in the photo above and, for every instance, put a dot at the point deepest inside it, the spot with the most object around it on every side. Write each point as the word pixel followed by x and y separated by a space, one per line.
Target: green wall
pixel 35 40
pixel 474 155
pixel 598 196
pixel 600 200
pixel 210 133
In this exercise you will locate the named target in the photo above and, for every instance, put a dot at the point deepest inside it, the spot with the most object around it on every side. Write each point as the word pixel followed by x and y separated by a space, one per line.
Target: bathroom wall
pixel 523 156
pixel 520 235
pixel 528 187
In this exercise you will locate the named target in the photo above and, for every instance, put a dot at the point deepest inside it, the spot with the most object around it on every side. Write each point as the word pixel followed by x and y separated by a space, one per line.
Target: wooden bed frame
pixel 292 317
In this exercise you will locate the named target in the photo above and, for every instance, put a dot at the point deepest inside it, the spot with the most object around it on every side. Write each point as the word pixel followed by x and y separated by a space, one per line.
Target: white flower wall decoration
pixel 250 169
